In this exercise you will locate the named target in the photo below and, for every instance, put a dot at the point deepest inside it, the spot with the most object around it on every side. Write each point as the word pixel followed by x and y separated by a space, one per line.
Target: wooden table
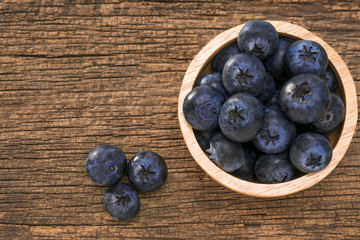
pixel 76 74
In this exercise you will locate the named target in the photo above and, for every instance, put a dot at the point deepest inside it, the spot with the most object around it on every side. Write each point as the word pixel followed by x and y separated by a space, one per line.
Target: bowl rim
pixel 259 189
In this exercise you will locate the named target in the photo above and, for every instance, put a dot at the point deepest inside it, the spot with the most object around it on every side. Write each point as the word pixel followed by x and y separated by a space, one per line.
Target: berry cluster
pixel 263 112
pixel 146 170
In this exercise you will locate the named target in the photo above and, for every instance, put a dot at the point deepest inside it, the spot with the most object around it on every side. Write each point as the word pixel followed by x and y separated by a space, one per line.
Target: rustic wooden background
pixel 75 74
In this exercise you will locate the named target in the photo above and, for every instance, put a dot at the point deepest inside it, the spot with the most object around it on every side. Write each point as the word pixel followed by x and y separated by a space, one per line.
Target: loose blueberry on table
pixel 122 201
pixel 106 164
pixel 294 82
pixel 147 171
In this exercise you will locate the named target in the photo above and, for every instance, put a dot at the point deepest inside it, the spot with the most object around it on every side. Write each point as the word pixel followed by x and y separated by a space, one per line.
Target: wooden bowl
pixel 340 137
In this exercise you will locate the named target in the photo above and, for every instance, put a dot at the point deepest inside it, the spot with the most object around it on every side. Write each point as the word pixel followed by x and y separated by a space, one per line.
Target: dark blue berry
pixel 122 201
pixel 258 38
pixel 268 88
pixel 204 137
pixel 275 63
pixel 273 102
pixel 275 168
pixel 222 56
pixel 311 152
pixel 106 164
pixel 214 81
pixel 244 73
pixel 247 170
pixel 147 171
pixel 202 106
pixel 276 134
pixel 332 117
pixel 305 98
pixel 241 117
pixel 330 79
pixel 225 153
pixel 305 56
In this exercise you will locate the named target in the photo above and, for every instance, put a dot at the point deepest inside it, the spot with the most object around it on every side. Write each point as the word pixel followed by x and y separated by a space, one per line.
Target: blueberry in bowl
pixel 339 137
pixel 305 98
pixel 202 107
pixel 241 117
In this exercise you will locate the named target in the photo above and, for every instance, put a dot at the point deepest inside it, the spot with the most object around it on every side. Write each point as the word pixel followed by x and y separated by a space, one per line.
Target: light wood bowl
pixel 340 137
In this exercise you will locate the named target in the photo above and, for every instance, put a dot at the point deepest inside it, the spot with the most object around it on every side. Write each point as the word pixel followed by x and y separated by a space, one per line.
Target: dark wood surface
pixel 76 74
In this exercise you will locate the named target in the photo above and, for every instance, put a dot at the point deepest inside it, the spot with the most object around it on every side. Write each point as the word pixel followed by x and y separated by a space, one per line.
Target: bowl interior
pixel 333 135
pixel 340 137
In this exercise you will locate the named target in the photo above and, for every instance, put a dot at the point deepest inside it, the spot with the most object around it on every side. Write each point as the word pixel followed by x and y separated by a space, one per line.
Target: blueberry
pixel 214 81
pixel 122 201
pixel 247 170
pixel 304 98
pixel 147 171
pixel 224 54
pixel 244 73
pixel 275 63
pixel 106 164
pixel 202 106
pixel 311 152
pixel 332 117
pixel 305 56
pixel 330 79
pixel 274 168
pixel 241 117
pixel 273 102
pixel 268 88
pixel 258 38
pixel 225 153
pixel 204 137
pixel 276 134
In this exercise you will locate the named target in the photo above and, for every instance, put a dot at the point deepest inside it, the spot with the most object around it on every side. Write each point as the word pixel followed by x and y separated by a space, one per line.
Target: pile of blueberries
pixel 146 170
pixel 263 114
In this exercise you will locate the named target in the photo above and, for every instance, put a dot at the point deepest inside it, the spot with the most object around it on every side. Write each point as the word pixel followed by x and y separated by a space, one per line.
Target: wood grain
pixel 340 138
pixel 78 73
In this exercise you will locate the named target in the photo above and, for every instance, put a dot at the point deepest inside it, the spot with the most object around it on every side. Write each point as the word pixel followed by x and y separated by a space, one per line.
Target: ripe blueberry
pixel 305 56
pixel 247 170
pixel 304 98
pixel 147 171
pixel 204 137
pixel 214 81
pixel 225 153
pixel 122 201
pixel 332 117
pixel 241 117
pixel 244 73
pixel 275 168
pixel 258 38
pixel 202 106
pixel 222 56
pixel 330 79
pixel 275 63
pixel 106 164
pixel 276 134
pixel 268 88
pixel 311 152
